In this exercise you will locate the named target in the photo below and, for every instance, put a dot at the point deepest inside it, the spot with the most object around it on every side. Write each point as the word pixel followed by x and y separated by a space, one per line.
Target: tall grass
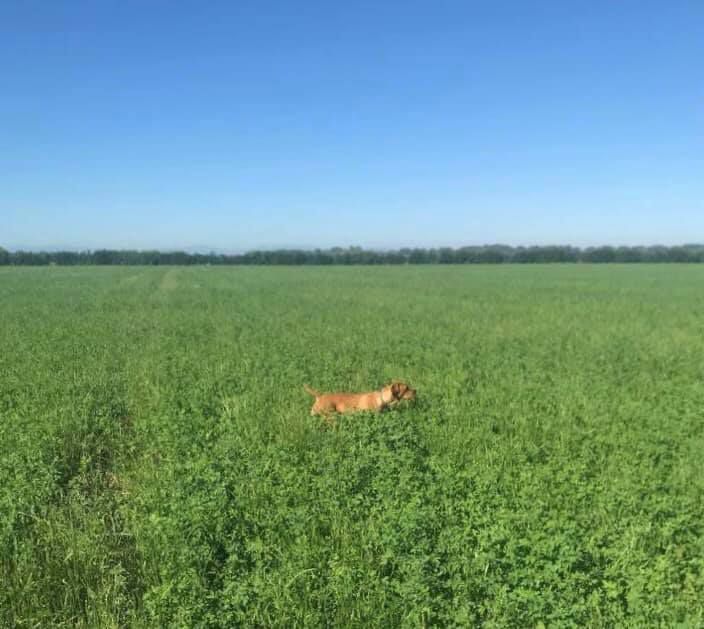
pixel 158 465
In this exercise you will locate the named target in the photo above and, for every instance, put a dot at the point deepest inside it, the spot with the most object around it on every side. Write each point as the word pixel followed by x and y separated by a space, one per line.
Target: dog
pixel 377 401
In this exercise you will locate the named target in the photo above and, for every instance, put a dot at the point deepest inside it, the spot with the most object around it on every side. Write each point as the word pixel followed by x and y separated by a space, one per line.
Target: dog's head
pixel 401 391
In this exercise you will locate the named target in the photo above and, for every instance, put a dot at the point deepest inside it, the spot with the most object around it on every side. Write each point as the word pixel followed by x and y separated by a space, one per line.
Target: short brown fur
pixel 390 395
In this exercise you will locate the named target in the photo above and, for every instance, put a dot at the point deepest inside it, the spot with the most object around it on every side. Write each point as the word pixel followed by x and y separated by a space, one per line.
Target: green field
pixel 159 466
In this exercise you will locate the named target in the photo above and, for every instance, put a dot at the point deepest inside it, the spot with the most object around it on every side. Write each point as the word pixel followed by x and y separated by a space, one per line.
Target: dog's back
pixel 326 403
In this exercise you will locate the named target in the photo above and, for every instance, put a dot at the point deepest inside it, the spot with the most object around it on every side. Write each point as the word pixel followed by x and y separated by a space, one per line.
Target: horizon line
pixel 230 252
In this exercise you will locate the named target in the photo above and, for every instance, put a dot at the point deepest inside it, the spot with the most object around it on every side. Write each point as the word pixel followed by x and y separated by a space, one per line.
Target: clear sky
pixel 237 125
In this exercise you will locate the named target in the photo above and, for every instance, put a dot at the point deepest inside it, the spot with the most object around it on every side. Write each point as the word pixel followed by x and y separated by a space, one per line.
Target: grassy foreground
pixel 159 468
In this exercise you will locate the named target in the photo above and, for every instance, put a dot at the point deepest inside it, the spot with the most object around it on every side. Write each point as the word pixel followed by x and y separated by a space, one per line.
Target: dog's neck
pixel 381 397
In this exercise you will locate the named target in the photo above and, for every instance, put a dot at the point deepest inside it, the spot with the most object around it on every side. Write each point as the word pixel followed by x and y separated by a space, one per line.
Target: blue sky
pixel 237 125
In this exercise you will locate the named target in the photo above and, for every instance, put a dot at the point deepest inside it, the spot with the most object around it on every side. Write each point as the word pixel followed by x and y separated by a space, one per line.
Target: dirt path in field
pixel 168 282
pixel 129 280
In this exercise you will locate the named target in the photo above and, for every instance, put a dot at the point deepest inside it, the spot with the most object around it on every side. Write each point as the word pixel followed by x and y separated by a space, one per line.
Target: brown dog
pixel 391 394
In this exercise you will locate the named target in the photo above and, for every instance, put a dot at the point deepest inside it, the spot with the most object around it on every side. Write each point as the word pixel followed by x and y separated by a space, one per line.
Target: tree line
pixel 487 254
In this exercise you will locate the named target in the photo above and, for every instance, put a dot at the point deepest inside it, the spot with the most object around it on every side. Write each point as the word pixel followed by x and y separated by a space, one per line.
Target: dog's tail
pixel 310 391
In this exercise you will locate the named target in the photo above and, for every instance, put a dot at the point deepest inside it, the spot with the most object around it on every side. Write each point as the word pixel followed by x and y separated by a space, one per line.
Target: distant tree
pixel 30 258
pixel 696 252
pixel 446 255
pixel 103 256
pixel 656 253
pixel 395 257
pixel 487 254
pixel 418 256
pixel 679 254
pixel 493 254
pixel 66 258
pixel 599 254
pixel 627 254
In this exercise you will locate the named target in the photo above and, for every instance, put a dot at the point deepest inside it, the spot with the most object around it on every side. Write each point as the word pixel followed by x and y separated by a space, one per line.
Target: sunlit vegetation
pixel 159 466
